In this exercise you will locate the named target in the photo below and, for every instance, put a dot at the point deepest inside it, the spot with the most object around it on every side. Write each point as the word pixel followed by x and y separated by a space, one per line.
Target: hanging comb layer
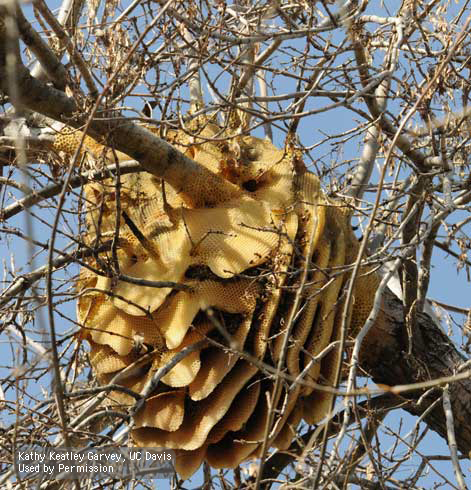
pixel 241 258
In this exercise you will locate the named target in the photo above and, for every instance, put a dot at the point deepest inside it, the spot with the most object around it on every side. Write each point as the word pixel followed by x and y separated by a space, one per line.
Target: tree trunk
pixel 385 358
pixel 432 355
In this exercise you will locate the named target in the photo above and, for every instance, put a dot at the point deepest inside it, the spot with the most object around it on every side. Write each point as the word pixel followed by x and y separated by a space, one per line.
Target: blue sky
pixel 448 284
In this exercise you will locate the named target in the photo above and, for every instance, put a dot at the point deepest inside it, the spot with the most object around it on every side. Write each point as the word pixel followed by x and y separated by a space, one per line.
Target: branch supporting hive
pixel 242 262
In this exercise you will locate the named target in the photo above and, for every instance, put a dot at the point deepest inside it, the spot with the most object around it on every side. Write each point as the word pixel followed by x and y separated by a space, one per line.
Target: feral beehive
pixel 245 264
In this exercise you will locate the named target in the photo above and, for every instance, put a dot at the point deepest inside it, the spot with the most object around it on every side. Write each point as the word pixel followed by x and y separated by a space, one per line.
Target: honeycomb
pixel 241 262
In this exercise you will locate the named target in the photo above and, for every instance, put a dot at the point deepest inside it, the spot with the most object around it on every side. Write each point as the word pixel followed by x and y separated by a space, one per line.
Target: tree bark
pixel 432 355
pixel 385 358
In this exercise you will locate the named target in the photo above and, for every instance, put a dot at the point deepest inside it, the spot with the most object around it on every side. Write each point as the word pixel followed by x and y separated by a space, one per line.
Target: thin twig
pixel 450 429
